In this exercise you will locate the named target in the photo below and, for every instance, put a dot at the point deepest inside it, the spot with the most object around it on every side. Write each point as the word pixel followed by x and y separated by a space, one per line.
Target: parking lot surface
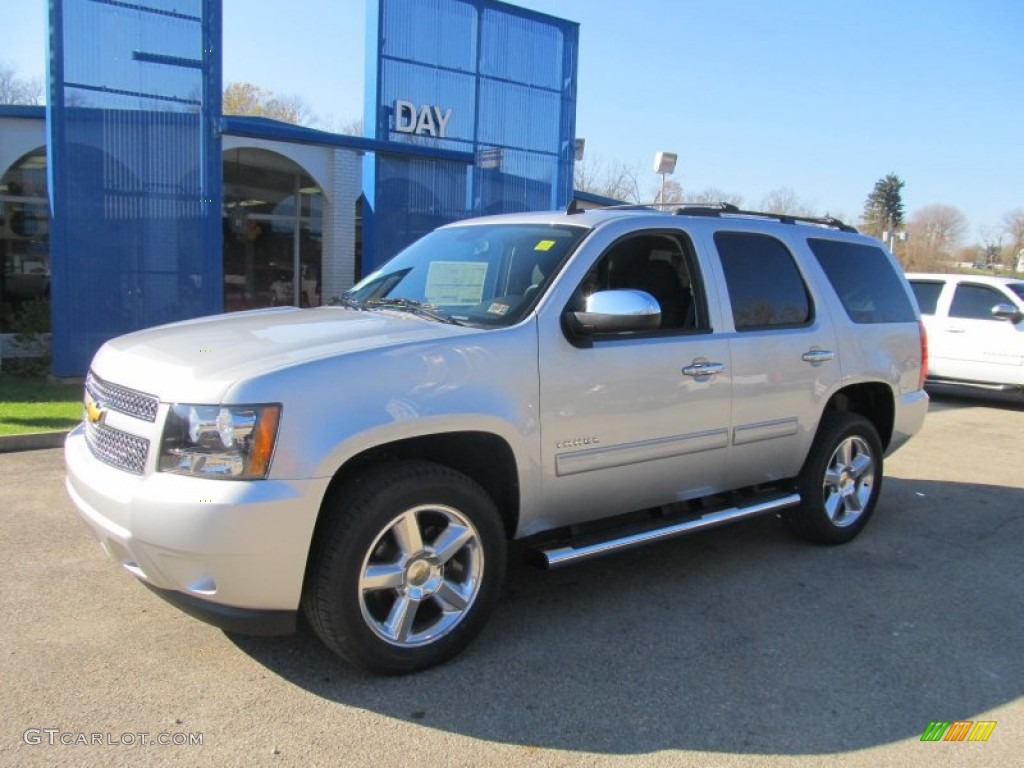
pixel 735 647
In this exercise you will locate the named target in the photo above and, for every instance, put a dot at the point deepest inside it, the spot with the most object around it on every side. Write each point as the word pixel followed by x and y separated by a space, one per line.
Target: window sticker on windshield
pixel 544 245
pixel 498 308
pixel 456 283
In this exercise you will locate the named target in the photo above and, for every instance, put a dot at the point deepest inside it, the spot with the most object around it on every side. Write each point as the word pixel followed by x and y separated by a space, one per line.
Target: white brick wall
pixel 339 246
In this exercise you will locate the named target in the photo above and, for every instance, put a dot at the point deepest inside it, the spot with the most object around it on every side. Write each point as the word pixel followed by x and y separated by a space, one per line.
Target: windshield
pixel 480 274
pixel 1017 288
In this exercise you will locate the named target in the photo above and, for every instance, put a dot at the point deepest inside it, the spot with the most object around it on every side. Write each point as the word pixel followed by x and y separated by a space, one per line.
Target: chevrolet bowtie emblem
pixel 93 411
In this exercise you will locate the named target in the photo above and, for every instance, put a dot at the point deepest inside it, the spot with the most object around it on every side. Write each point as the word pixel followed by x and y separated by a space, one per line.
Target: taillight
pixel 924 354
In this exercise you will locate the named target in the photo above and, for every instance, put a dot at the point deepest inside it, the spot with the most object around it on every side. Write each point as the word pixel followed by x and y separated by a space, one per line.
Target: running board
pixel 556 557
pixel 974 385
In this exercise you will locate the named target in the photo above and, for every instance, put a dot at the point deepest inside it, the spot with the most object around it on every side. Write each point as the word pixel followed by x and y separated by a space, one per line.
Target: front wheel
pixel 840 481
pixel 407 569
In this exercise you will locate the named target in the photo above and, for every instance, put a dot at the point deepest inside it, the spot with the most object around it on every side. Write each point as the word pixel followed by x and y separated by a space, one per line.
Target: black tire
pixel 840 481
pixel 407 568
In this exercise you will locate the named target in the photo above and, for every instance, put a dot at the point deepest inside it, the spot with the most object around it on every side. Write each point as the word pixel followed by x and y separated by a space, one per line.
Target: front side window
pixel 661 264
pixel 864 280
pixel 765 287
pixel 479 274
pixel 975 302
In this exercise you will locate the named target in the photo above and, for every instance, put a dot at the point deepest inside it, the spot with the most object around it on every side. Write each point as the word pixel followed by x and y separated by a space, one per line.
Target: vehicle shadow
pixel 738 640
pixel 944 396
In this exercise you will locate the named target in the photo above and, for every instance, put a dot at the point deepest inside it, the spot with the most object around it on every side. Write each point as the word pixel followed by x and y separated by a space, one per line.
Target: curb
pixel 32 441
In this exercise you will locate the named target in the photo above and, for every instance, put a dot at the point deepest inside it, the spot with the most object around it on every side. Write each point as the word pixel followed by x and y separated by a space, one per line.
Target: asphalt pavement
pixel 735 647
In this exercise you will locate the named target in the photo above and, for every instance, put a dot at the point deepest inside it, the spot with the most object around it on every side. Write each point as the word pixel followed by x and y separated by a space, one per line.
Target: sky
pixel 823 97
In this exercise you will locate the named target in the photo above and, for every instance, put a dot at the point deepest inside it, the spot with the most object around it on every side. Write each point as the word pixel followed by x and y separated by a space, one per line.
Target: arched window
pixel 24 235
pixel 273 231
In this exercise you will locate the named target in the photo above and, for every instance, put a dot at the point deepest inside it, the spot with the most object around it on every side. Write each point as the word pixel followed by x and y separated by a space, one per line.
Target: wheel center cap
pixel 418 573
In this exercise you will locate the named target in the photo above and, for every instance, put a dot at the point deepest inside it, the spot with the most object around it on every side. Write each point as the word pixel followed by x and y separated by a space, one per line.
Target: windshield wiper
pixel 346 300
pixel 411 305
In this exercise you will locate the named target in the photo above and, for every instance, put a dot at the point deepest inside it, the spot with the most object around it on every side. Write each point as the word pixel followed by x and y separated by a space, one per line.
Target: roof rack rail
pixel 728 209
pixel 721 209
pixel 573 207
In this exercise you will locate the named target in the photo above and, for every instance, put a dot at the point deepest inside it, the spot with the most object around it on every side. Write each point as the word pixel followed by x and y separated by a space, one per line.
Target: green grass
pixel 36 405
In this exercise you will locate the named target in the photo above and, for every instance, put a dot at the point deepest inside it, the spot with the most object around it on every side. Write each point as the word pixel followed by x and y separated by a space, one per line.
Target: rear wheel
pixel 408 568
pixel 840 481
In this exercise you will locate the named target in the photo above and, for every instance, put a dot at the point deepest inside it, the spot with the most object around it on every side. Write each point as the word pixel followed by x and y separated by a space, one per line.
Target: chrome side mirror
pixel 616 312
pixel 1007 312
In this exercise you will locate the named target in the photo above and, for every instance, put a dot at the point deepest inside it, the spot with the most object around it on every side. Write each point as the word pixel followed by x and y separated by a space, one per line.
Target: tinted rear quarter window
pixel 765 287
pixel 865 281
pixel 927 295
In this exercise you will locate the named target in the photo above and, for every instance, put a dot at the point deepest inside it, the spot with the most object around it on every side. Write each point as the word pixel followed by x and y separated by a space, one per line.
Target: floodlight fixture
pixel 665 162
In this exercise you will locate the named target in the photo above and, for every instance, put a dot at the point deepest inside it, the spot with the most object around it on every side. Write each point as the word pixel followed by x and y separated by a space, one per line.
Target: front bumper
pixel 232 553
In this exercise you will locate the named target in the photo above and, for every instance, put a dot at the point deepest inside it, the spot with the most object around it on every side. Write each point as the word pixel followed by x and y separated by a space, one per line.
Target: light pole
pixel 891 236
pixel 665 164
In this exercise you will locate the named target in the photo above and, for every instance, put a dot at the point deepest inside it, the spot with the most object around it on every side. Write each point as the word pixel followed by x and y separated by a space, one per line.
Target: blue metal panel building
pixel 478 76
pixel 470 109
pixel 135 169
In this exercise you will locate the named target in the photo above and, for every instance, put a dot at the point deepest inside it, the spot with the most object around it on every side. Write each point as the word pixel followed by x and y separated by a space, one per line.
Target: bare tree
pixel 15 89
pixel 992 245
pixel 710 195
pixel 350 127
pixel 617 180
pixel 933 235
pixel 250 99
pixel 785 201
pixel 1013 224
pixel 669 193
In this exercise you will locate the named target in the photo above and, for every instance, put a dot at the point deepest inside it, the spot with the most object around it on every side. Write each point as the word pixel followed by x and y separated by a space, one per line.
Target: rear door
pixel 782 347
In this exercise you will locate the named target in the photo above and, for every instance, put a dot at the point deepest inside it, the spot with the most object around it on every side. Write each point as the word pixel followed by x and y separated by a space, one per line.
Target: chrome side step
pixel 973 385
pixel 556 557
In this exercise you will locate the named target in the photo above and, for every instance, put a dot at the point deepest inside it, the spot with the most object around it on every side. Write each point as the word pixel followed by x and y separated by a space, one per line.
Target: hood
pixel 199 360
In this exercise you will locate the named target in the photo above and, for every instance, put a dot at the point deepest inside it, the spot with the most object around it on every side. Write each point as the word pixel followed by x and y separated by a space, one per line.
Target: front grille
pixel 117 398
pixel 117 448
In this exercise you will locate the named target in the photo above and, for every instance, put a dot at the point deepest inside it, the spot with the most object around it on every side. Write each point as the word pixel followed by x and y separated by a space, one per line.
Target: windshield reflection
pixel 479 274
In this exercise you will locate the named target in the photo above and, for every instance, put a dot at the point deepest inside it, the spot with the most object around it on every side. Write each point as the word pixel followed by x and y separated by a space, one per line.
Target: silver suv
pixel 583 381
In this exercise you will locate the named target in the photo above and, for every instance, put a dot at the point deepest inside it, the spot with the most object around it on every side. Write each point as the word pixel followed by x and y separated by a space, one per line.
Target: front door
pixel 636 420
pixel 974 345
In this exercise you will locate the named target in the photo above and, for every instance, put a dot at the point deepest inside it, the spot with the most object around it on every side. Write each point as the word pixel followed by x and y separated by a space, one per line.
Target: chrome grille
pixel 117 398
pixel 117 448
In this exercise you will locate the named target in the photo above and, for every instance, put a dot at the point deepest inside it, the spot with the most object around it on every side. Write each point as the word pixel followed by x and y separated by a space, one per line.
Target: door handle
pixel 817 356
pixel 703 369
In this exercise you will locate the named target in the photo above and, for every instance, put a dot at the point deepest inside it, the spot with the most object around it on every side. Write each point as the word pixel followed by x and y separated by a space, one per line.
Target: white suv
pixel 581 381
pixel 975 328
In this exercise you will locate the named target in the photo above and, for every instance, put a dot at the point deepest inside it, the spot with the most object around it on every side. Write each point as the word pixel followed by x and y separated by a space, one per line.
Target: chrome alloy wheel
pixel 849 479
pixel 421 575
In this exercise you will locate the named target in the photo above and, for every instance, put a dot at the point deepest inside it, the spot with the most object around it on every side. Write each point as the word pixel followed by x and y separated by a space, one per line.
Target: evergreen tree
pixel 883 210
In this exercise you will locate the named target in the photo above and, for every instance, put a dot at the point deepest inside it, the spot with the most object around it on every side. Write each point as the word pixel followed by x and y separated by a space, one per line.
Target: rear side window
pixel 765 287
pixel 927 295
pixel 864 280
pixel 975 302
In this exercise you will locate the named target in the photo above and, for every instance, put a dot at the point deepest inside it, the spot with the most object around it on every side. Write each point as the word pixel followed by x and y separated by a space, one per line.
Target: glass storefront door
pixel 273 230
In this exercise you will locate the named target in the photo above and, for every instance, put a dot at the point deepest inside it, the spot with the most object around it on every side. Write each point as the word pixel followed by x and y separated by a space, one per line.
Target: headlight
pixel 234 442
